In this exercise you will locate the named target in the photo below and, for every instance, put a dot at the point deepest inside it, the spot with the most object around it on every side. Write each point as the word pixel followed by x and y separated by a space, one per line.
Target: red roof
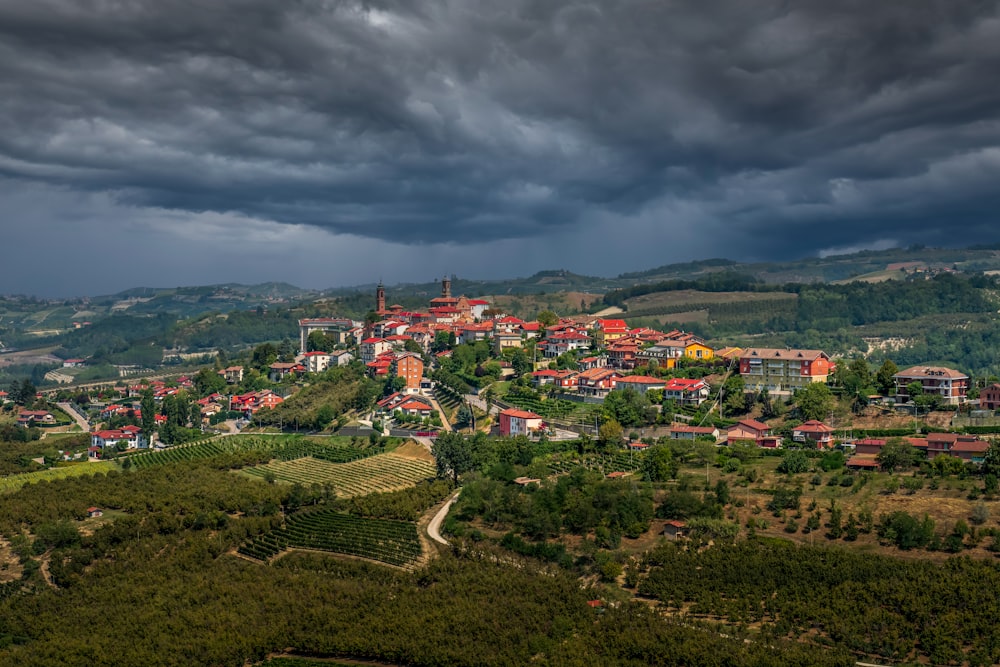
pixel 813 426
pixel 753 424
pixel 641 379
pixel 414 405
pixel 684 384
pixel 520 414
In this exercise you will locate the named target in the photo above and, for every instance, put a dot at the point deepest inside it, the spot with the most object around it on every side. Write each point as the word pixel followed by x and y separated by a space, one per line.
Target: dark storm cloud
pixel 821 123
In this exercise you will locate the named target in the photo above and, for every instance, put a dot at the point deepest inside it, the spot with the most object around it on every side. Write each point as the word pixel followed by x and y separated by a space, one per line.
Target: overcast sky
pixel 325 143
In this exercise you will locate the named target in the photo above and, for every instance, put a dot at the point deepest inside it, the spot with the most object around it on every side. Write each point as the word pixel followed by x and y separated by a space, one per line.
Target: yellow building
pixel 695 350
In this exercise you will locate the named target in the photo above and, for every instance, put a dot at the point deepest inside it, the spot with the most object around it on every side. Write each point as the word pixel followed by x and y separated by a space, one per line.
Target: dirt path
pixel 613 310
pixel 434 527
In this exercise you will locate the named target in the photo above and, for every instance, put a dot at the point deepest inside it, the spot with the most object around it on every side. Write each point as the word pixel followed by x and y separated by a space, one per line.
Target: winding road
pixel 434 527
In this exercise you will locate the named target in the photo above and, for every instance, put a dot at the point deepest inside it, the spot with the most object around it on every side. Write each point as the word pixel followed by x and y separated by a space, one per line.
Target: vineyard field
pixel 283 448
pixel 15 482
pixel 385 541
pixel 384 472
pixel 617 462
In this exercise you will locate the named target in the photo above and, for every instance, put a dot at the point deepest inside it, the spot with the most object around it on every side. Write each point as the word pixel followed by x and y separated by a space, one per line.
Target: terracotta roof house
pixel 814 432
pixel 753 430
pixel 968 447
pixel 951 385
pixel 686 391
pixel 519 422
pixel 641 383
pixel 989 398
pixel 783 370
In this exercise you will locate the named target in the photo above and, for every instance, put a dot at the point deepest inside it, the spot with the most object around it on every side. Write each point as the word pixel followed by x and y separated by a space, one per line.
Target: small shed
pixel 674 529
pixel 94 511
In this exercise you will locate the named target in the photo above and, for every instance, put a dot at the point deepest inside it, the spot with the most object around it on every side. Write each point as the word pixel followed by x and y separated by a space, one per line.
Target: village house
pixel 814 432
pixel 519 422
pixel 129 437
pixel 280 370
pixel 336 327
pixel 28 418
pixel 623 354
pixel 783 371
pixel 686 432
pixel 372 347
pixel 686 391
pixel 754 431
pixel 315 362
pixel 252 402
pixel 989 398
pixel 597 382
pixel 233 374
pixel 608 331
pixel 588 363
pixel 553 346
pixel 967 447
pixel 641 383
pixel 661 355
pixel 951 385
pixel 564 379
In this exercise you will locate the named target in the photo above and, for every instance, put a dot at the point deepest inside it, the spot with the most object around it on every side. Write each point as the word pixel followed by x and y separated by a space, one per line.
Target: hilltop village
pixel 542 378
pixel 458 442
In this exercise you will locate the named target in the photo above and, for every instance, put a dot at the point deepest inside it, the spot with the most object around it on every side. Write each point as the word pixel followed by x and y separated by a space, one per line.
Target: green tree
pixel 207 381
pixel 896 454
pixel 734 402
pixel 610 435
pixel 660 464
pixel 547 318
pixel 628 407
pixel 814 401
pixel 520 362
pixel 452 454
pixel 883 378
pixel 794 461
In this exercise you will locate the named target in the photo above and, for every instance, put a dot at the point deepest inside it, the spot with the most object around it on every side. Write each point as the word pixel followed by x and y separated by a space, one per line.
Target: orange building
pixel 410 367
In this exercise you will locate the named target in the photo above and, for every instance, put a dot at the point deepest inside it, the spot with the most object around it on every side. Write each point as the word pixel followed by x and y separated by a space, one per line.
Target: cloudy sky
pixel 170 142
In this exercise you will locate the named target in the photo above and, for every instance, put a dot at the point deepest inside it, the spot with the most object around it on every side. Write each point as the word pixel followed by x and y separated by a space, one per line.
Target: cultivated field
pixel 385 472
pixel 14 482
pixel 392 542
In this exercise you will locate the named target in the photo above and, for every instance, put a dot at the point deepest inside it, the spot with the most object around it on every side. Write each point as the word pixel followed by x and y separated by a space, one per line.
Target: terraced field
pixel 385 472
pixel 392 542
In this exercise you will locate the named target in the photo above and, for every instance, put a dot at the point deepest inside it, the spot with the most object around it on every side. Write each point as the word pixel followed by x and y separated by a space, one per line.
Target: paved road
pixel 80 420
pixel 434 527
pixel 480 404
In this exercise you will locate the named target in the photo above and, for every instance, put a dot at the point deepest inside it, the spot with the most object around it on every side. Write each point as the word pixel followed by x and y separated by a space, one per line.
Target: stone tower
pixel 446 288
pixel 380 298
